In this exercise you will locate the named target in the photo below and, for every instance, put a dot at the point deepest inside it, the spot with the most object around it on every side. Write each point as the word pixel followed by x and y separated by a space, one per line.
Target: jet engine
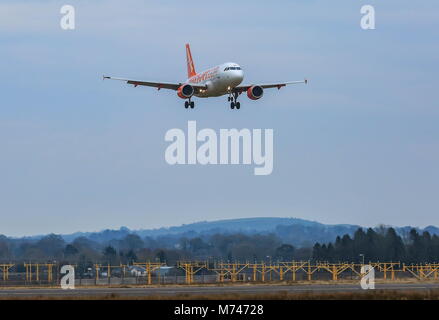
pixel 185 91
pixel 255 92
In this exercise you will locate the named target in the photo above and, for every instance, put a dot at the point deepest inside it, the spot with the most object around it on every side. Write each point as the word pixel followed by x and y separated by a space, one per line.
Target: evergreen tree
pixel 394 249
pixel 317 252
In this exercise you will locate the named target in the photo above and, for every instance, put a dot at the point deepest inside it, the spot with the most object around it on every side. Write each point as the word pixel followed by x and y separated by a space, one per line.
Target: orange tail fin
pixel 190 63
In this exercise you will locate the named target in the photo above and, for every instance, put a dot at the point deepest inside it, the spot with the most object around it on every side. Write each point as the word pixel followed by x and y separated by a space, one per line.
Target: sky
pixel 359 144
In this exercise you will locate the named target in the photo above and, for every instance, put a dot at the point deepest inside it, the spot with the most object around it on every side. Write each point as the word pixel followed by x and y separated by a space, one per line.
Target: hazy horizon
pixel 138 228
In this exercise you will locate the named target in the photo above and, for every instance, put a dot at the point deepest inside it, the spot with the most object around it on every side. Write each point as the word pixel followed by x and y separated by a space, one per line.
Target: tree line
pixel 379 244
pixel 383 244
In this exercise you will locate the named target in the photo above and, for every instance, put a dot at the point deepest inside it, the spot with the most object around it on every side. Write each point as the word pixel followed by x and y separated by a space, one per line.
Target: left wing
pixel 243 88
pixel 158 85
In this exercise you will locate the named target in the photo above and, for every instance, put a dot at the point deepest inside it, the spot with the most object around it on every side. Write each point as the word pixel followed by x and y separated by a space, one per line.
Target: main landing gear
pixel 189 103
pixel 233 97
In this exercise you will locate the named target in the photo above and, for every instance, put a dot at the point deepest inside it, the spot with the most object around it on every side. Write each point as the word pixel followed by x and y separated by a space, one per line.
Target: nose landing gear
pixel 234 105
pixel 233 97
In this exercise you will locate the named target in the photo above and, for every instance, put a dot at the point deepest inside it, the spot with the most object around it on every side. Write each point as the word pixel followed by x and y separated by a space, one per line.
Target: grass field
pixel 407 290
pixel 366 295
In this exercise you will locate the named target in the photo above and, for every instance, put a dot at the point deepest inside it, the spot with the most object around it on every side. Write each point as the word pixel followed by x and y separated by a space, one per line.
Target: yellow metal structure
pixel 150 267
pixel 191 268
pixel 32 269
pixel 5 270
pixel 423 272
pixel 108 268
pixel 247 271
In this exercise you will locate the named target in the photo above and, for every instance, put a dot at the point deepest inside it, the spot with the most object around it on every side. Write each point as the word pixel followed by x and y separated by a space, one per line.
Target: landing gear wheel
pixel 232 105
pixel 238 105
pixel 192 104
pixel 186 104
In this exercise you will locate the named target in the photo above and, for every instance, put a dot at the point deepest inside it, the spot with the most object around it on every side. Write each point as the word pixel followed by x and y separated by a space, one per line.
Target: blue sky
pixel 359 144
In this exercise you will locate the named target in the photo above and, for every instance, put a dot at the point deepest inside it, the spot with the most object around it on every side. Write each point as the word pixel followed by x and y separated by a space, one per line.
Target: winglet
pixel 306 81
pixel 190 63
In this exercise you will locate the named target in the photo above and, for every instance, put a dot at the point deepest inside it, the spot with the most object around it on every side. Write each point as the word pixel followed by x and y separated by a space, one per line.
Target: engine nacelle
pixel 255 92
pixel 185 91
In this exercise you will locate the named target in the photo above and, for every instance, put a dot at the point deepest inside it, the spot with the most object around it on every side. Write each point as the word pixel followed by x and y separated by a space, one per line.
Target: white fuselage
pixel 220 80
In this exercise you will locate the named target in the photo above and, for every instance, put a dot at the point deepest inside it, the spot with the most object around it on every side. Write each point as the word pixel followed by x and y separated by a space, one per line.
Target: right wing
pixel 242 88
pixel 158 85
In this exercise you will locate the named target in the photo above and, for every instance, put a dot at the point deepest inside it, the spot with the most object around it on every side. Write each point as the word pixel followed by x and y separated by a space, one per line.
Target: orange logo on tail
pixel 190 63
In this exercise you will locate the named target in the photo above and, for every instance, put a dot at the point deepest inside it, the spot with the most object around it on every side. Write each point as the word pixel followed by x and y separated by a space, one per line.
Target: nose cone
pixel 238 76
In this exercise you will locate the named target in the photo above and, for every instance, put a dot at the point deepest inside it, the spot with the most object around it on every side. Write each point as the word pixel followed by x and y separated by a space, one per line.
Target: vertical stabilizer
pixel 190 63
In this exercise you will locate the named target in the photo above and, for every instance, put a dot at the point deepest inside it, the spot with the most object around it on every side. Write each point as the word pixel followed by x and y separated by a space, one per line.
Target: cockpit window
pixel 232 68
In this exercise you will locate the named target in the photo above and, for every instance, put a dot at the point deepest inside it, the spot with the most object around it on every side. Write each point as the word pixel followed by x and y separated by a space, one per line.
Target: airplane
pixel 224 79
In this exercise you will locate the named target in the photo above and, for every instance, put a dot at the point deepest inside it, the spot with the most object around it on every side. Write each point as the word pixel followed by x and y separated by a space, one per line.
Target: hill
pixel 298 232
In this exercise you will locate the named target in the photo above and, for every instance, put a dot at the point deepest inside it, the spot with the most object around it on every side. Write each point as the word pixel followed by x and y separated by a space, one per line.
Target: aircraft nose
pixel 239 76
